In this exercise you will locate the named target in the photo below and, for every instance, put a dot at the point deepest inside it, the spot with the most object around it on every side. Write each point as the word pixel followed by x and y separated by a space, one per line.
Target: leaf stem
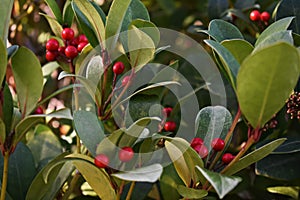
pixel 72 186
pixel 5 175
pixel 120 190
pixel 130 190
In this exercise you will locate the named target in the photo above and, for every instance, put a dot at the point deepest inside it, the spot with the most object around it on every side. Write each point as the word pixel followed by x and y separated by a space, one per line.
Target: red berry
pixel 170 126
pixel 201 150
pixel 255 15
pixel 67 34
pixel 265 16
pixel 196 141
pixel 81 45
pixel 227 158
pixel 167 111
pixel 101 161
pixel 39 110
pixel 71 51
pixel 74 42
pixel 118 68
pixel 82 38
pixel 51 55
pixel 62 49
pixel 52 45
pixel 217 144
pixel 125 80
pixel 126 154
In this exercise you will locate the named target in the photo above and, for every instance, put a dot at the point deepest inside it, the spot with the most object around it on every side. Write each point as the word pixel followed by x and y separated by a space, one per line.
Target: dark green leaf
pixel 244 4
pixel 168 6
pixel 221 30
pixel 229 63
pixel 168 182
pixel 21 171
pixel 3 61
pixel 240 49
pixel 191 193
pixel 2 132
pixel 221 183
pixel 54 24
pixel 289 146
pixel 280 25
pixel 149 173
pixel 254 156
pixel 93 17
pixel 100 11
pixel 29 89
pixel 216 8
pixel 68 14
pixel 284 10
pixel 89 129
pixel 55 10
pixel 262 84
pixel 8 109
pixel 43 144
pixel 5 14
pixel 41 190
pixel 212 122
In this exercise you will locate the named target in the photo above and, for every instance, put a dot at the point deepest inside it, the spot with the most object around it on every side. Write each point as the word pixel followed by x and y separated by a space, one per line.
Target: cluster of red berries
pixel 217 144
pixel 293 105
pixel 72 46
pixel 169 125
pixel 255 15
pixel 125 155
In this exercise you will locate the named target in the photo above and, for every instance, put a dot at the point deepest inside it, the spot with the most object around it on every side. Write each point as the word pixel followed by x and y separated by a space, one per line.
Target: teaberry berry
pixel 227 158
pixel 71 51
pixel 255 15
pixel 101 161
pixel 126 154
pixel 196 141
pixel 67 34
pixel 125 80
pixel 118 68
pixel 51 55
pixel 217 144
pixel 81 45
pixel 62 49
pixel 39 110
pixel 82 38
pixel 170 126
pixel 167 111
pixel 52 45
pixel 201 150
pixel 264 16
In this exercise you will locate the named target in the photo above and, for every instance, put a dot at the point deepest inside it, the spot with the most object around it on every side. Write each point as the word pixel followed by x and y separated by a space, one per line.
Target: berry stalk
pixel 5 175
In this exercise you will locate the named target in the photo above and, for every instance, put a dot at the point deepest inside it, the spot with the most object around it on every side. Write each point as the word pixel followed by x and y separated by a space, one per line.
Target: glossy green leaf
pixel 141 48
pixel 115 18
pixel 262 84
pixel 292 191
pixel 8 109
pixel 55 10
pixel 93 17
pixel 68 14
pixel 99 10
pixel 40 190
pixel 54 24
pixel 240 49
pixel 23 126
pixel 280 25
pixel 254 156
pixel 29 90
pixel 5 14
pixel 64 113
pixel 191 193
pixel 19 162
pixel 216 8
pixel 97 179
pixel 284 10
pixel 2 132
pixel 43 144
pixel 221 30
pixel 221 183
pixel 169 181
pixel 89 129
pixel 3 60
pixel 229 63
pixel 85 26
pixel 289 146
pixel 284 36
pixel 149 173
pixel 212 122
